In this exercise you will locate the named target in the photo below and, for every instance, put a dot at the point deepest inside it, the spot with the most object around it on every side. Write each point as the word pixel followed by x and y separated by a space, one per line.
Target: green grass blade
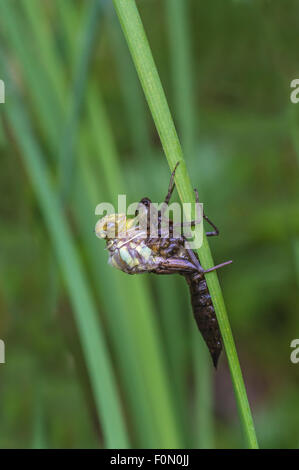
pixel 40 26
pixel 203 406
pixel 16 36
pixel 39 438
pixel 136 392
pixel 140 308
pixel 93 342
pixel 148 74
pixel 85 49
pixel 154 389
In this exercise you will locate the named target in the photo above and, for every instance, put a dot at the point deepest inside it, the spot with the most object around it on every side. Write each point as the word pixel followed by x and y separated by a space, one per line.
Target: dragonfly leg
pixel 198 266
pixel 196 222
pixel 177 265
pixel 216 230
pixel 195 261
pixel 171 185
pixel 205 271
pixel 192 223
pixel 218 266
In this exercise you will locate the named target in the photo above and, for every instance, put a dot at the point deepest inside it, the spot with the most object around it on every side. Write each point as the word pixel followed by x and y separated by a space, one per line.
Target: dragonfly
pixel 133 249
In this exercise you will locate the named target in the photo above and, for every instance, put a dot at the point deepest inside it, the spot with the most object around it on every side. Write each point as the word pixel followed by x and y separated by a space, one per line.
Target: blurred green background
pixel 96 358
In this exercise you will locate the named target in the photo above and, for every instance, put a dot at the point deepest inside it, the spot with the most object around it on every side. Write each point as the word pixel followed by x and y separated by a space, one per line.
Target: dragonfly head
pixel 146 202
pixel 111 226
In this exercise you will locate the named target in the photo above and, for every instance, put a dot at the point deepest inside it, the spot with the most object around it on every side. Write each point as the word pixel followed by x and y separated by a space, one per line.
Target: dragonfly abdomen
pixel 205 315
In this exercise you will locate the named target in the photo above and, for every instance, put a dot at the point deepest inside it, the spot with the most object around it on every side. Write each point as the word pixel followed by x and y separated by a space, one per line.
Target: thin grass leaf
pixel 146 432
pixel 92 339
pixel 85 49
pixel 39 439
pixel 15 34
pixel 40 26
pixel 140 313
pixel 136 293
pixel 158 397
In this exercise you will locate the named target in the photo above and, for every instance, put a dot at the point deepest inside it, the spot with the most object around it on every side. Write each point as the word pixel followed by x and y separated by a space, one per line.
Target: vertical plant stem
pixel 148 75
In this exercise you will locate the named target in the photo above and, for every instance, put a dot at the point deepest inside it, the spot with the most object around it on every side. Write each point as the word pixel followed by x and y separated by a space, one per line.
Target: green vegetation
pixel 96 358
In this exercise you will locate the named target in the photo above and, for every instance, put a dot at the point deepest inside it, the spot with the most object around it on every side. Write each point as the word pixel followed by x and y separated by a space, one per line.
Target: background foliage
pixel 97 358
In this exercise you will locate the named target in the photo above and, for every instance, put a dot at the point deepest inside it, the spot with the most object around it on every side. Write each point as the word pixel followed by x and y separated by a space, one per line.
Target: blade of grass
pixel 117 318
pixel 139 304
pixel 148 75
pixel 203 432
pixel 140 307
pixel 119 327
pixel 116 312
pixel 39 439
pixel 85 49
pixel 68 18
pixel 29 18
pixel 175 348
pixel 40 25
pixel 93 342
pixel 17 37
pixel 140 310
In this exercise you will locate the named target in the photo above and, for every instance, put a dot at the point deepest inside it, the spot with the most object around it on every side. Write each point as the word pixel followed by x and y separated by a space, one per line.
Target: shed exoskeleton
pixel 133 250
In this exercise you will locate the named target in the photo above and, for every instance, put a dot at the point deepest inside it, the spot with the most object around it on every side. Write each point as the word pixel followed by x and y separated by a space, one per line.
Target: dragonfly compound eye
pixel 111 226
pixel 101 228
pixel 146 201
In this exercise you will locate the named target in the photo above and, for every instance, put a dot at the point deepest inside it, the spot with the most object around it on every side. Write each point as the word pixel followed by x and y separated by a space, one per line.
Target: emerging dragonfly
pixel 139 252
